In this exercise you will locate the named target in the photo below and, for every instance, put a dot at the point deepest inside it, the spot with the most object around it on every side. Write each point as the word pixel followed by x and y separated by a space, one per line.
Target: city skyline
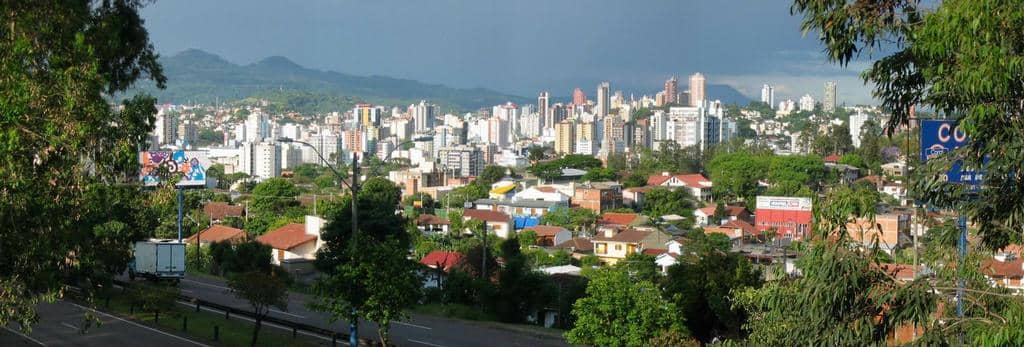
pixel 462 49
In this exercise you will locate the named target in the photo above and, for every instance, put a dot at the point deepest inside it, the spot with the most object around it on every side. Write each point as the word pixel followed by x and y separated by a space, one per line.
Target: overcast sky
pixel 518 46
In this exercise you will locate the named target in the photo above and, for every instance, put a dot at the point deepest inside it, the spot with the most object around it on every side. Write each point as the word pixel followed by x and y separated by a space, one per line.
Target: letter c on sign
pixel 944 132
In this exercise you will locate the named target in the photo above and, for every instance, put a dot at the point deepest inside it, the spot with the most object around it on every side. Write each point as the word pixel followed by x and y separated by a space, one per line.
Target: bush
pixel 200 263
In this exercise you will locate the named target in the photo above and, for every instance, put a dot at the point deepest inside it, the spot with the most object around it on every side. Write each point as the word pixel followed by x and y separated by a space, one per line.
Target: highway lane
pixel 419 330
pixel 61 324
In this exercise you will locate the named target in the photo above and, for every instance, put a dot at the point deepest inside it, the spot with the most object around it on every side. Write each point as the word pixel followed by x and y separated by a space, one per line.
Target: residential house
pixel 542 193
pixel 577 246
pixel 294 242
pixel 614 219
pixel 847 174
pixel 550 235
pixel 1004 270
pixel 598 196
pixel 635 197
pixel 497 223
pixel 892 230
pixel 612 246
pixel 734 229
pixel 525 213
pixel 570 270
pixel 218 211
pixel 442 262
pixel 431 224
pixel 218 233
pixel 697 185
pixel 702 216
pixel 894 169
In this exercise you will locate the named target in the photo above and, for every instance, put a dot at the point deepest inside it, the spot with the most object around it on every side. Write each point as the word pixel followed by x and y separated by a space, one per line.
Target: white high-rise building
pixel 856 126
pixel 603 99
pixel 807 103
pixel 697 89
pixel 658 125
pixel 257 127
pixel 291 156
pixel 261 160
pixel 329 146
pixel 700 126
pixel 829 104
pixel 463 160
pixel 768 95
pixel 166 129
pixel 292 131
pixel 509 115
pixel 424 115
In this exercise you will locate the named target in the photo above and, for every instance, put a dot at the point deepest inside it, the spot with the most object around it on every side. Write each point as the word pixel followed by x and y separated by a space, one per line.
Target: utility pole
pixel 353 339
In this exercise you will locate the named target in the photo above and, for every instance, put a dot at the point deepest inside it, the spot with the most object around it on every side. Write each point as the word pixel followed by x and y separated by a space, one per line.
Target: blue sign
pixel 941 136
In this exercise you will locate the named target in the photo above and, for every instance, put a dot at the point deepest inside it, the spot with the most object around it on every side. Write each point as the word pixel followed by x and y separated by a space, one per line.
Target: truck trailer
pixel 158 259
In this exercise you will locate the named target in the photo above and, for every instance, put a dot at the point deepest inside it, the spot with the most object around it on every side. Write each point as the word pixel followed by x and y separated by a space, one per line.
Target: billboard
pixel 783 203
pixel 189 166
pixel 941 136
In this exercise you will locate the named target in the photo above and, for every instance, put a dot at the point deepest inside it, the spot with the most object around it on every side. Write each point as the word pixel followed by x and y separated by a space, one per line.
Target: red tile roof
pixel 218 233
pixel 654 252
pixel 286 237
pixel 429 219
pixel 546 189
pixel 902 272
pixel 1003 269
pixel 546 230
pixel 442 259
pixel 747 228
pixel 832 158
pixel 732 211
pixel 220 210
pixel 485 215
pixel 610 218
pixel 689 180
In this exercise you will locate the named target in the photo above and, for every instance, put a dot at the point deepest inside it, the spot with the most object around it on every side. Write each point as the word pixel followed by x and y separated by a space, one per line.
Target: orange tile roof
pixel 689 180
pixel 218 233
pixel 1003 269
pixel 286 237
pixel 546 189
pixel 220 210
pixel 442 259
pixel 485 215
pixel 747 228
pixel 611 218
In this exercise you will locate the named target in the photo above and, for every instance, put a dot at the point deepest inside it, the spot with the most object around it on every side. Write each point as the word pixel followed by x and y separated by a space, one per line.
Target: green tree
pixel 490 175
pixel 663 201
pixel 701 289
pixel 736 175
pixel 853 159
pixel 619 311
pixel 640 267
pixel 870 145
pixel 262 291
pixel 273 196
pixel 573 218
pixel 61 135
pixel 599 174
pixel 537 153
pixel 520 290
pixel 634 180
pixel 527 238
pixel 352 285
pixel 720 214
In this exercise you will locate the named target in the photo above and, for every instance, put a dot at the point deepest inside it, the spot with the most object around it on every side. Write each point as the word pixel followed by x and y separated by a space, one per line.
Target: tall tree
pixel 59 136
pixel 262 290
pixel 619 311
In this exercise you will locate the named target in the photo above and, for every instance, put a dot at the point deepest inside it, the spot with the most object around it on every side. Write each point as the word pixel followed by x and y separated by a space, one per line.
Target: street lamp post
pixel 353 325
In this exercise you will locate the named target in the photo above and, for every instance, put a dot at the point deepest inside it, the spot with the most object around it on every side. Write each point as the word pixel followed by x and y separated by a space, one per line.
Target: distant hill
pixel 195 76
pixel 727 94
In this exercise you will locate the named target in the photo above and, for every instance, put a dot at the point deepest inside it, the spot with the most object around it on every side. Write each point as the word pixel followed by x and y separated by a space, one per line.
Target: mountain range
pixel 196 76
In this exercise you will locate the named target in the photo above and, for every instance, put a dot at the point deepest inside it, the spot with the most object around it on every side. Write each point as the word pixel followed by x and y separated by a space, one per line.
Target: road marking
pixel 25 336
pixel 206 284
pixel 289 314
pixel 425 343
pixel 70 326
pixel 412 325
pixel 139 325
pixel 254 321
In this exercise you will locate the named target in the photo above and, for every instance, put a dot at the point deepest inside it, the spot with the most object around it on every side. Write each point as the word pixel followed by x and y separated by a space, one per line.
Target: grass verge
pixel 201 325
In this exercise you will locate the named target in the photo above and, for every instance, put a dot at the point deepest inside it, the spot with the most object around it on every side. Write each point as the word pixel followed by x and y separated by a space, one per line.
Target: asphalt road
pixel 61 325
pixel 419 330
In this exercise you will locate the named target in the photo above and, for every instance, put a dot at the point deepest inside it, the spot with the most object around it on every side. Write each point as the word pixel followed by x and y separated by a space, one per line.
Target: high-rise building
pixel 423 115
pixel 544 109
pixel 188 132
pixel 261 159
pixel 579 98
pixel 166 129
pixel 658 124
pixel 463 160
pixel 327 144
pixel 366 115
pixel 291 156
pixel 856 126
pixel 560 112
pixel 659 99
pixel 509 116
pixel 700 126
pixel 565 137
pixel 671 89
pixel 829 104
pixel 586 138
pixel 768 95
pixel 603 99
pixel 257 127
pixel 614 135
pixel 807 103
pixel 696 89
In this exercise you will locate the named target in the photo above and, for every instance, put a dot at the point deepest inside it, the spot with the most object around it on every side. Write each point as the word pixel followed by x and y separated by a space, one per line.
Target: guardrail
pixel 295 326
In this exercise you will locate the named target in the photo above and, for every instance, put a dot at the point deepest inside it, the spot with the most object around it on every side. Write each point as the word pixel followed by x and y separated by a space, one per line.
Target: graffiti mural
pixel 189 166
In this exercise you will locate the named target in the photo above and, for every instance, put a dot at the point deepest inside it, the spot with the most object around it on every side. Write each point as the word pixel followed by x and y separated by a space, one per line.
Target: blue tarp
pixel 522 222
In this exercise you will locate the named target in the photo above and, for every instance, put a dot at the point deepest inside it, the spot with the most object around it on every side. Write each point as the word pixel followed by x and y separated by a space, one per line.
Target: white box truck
pixel 158 259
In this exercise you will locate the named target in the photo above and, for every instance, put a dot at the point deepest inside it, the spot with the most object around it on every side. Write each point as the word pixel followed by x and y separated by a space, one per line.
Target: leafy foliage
pixel 619 311
pixel 573 218
pixel 262 290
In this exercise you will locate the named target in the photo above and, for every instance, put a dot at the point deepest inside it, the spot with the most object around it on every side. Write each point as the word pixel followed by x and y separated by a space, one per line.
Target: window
pixel 618 247
pixel 600 248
